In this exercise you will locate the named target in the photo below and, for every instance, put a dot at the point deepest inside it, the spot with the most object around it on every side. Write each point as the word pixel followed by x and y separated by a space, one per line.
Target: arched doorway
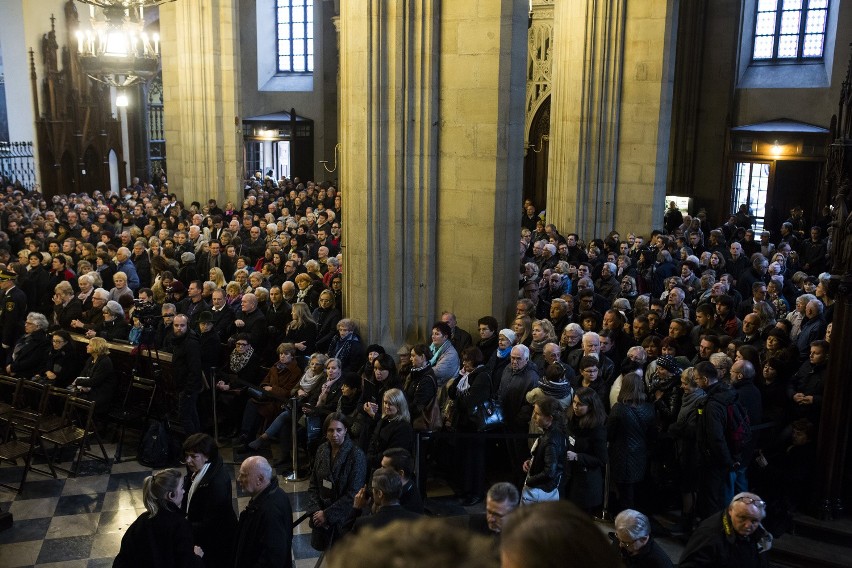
pixel 535 161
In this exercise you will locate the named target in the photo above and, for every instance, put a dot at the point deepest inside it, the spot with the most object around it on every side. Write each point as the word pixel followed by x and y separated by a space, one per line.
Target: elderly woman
pixel 347 345
pixel 233 295
pixel 87 289
pixel 96 380
pixel 339 472
pixel 637 546
pixel 120 289
pixel 161 536
pixel 207 500
pixel 243 369
pixel 66 307
pixel 28 352
pixel 114 326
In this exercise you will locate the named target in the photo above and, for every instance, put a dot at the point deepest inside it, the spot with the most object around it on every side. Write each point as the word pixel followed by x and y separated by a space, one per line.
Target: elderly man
pixel 730 537
pixel 635 543
pixel 386 488
pixel 812 328
pixel 592 348
pixel 251 320
pixel 517 380
pixel 460 339
pixel 560 315
pixel 265 530
pixel 502 498
pixel 124 264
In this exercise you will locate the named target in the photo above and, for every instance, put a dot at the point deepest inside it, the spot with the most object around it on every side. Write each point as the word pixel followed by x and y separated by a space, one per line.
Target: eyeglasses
pixel 626 544
pixel 751 501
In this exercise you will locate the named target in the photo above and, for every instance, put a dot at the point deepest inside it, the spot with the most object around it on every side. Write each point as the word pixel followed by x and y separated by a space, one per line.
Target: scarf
pixel 239 360
pixel 300 297
pixel 538 345
pixel 83 296
pixel 463 384
pixel 196 481
pixel 503 353
pixel 280 366
pixel 309 380
pixel 437 352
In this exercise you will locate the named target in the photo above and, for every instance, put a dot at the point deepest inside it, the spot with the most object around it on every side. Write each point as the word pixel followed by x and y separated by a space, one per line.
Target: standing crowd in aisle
pixel 682 370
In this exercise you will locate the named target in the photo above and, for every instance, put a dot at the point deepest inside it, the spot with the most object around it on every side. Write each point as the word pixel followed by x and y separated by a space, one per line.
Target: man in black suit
pixel 386 489
pixel 13 310
pixel 214 258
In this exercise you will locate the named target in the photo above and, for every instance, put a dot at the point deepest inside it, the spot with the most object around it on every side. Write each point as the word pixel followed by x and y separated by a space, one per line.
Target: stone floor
pixel 79 522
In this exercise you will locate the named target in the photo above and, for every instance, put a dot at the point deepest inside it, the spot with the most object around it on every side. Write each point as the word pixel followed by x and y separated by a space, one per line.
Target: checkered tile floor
pixel 79 522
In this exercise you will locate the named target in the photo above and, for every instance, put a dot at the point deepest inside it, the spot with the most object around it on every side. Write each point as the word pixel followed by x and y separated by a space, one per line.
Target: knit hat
pixel 557 390
pixel 376 348
pixel 669 363
pixel 509 334
pixel 187 257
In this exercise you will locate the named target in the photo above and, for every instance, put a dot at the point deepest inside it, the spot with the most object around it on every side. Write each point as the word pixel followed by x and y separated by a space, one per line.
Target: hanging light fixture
pixel 116 49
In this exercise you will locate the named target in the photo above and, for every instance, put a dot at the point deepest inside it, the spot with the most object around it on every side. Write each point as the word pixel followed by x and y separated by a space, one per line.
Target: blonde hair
pixel 99 346
pixel 217 276
pixel 157 488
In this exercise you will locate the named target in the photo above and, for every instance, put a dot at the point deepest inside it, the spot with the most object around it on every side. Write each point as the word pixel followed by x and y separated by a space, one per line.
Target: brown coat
pixel 282 383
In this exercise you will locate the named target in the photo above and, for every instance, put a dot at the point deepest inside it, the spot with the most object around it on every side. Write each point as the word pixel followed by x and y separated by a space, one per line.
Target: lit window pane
pixel 765 24
pixel 790 22
pixel 792 4
pixel 816 22
pixel 788 46
pixel 815 4
pixel 284 32
pixel 298 48
pixel 298 32
pixel 763 48
pixel 767 5
pixel 299 65
pixel 813 46
pixel 295 35
pixel 283 48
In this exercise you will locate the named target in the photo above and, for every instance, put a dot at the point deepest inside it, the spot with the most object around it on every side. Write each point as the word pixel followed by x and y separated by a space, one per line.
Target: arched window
pixel 790 30
pixel 295 35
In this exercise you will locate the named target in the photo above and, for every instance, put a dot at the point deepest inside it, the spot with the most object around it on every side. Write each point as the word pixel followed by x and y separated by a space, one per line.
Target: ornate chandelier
pixel 115 49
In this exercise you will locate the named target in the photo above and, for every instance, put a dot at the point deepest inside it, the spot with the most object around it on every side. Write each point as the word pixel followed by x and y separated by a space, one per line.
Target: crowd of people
pixel 680 369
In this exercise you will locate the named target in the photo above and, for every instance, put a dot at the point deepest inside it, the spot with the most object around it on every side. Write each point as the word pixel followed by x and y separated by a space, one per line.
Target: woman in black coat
pixel 63 364
pixel 326 317
pixel 242 371
pixel 394 429
pixel 161 536
pixel 383 378
pixel 114 327
pixel 545 466
pixel 470 389
pixel 302 329
pixel 628 430
pixel 96 380
pixel 421 386
pixel 587 454
pixel 207 500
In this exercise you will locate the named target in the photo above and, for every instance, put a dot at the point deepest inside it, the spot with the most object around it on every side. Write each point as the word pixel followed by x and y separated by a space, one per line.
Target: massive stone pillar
pixel 431 125
pixel 610 114
pixel 201 72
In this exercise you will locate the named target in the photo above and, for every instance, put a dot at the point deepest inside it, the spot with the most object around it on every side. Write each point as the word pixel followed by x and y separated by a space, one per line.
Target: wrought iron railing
pixel 17 163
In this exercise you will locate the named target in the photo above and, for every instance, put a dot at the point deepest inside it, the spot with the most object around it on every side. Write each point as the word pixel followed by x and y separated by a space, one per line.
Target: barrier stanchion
pixel 294 448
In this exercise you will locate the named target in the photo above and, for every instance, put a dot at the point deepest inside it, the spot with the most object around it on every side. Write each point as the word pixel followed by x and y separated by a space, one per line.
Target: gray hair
pixel 101 294
pixel 504 491
pixel 38 320
pixel 633 523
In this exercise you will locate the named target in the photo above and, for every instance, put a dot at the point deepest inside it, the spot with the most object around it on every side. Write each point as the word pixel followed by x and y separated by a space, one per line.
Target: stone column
pixel 201 73
pixel 431 124
pixel 610 114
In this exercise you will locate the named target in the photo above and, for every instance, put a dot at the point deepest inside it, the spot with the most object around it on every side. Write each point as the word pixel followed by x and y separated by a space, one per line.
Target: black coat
pixel 186 362
pixel 326 327
pixel 651 555
pixel 347 474
pixel 479 391
pixel 164 541
pixel 100 378
pixel 265 531
pixel 548 460
pixel 584 484
pixel 420 388
pixel 12 316
pixel 389 434
pixel 117 328
pixel 628 432
pixel 711 432
pixel 385 516
pixel 211 514
pixel 306 333
pixel 714 544
pixel 65 364
pixel 64 315
pixel 28 354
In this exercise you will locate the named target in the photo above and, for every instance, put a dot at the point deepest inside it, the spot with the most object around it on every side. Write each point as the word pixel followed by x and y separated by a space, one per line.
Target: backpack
pixel 155 446
pixel 737 429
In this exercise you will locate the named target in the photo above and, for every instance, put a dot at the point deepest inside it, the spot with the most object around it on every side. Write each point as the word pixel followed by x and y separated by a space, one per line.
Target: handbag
pixel 487 416
pixel 430 419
